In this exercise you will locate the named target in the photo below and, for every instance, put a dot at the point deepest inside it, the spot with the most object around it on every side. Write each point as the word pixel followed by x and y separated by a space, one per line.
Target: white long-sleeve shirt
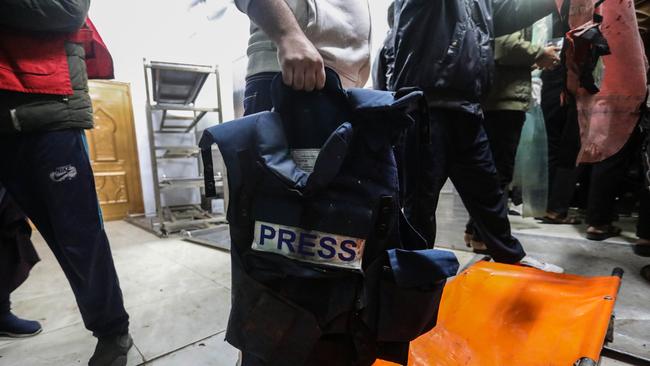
pixel 339 29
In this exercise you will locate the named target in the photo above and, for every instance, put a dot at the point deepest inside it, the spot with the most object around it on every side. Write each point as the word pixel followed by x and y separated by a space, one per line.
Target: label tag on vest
pixel 309 246
pixel 305 158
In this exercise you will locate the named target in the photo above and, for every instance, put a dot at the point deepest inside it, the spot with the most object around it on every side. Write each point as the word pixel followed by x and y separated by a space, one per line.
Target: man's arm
pixel 514 50
pixel 513 15
pixel 302 65
pixel 44 15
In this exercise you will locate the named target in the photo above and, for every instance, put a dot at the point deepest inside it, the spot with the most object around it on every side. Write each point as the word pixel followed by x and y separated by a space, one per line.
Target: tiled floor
pixel 566 246
pixel 176 293
pixel 178 296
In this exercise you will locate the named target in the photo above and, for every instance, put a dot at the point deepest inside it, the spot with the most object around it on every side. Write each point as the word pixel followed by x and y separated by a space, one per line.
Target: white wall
pixel 166 30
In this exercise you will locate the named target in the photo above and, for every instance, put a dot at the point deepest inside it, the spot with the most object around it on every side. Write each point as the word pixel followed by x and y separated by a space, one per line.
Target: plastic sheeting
pixel 531 165
pixel 496 314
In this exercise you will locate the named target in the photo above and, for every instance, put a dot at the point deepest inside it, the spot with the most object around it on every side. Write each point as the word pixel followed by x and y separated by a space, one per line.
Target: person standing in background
pixel 44 109
pixel 445 48
pixel 506 105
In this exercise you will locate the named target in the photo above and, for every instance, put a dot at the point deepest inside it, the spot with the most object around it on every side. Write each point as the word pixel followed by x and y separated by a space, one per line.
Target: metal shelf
pixel 184 183
pixel 174 87
pixel 178 152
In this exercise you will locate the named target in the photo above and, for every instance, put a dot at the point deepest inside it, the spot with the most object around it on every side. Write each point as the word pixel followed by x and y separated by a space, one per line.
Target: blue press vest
pixel 319 244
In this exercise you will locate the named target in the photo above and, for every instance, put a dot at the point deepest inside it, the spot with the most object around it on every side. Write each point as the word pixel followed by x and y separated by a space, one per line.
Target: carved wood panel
pixel 113 150
pixel 103 136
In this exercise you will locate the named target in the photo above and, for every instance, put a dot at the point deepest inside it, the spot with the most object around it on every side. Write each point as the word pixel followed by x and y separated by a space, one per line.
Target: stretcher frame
pixel 607 349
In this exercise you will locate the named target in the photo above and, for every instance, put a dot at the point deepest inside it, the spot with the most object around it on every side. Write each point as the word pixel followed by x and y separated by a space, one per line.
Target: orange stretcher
pixel 505 315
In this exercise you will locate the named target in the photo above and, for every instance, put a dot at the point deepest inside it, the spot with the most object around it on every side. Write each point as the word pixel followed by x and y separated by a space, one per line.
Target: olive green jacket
pixel 20 112
pixel 514 57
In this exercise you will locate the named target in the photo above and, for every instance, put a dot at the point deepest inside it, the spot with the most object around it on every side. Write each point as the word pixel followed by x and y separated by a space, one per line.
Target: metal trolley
pixel 172 91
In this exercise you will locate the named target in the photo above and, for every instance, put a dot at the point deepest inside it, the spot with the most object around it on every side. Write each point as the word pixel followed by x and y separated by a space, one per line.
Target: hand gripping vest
pixel 320 249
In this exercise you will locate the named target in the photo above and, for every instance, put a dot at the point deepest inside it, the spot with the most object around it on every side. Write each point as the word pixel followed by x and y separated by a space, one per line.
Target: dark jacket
pixel 23 112
pixel 514 56
pixel 446 46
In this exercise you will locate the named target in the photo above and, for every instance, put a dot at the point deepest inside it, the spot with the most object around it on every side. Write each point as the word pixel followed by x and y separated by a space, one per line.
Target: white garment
pixel 339 29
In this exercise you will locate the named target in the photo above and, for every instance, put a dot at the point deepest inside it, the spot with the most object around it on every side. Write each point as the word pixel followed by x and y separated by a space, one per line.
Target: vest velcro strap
pixel 208 172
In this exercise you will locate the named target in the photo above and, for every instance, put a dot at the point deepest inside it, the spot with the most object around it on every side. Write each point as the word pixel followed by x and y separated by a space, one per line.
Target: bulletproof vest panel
pixel 314 246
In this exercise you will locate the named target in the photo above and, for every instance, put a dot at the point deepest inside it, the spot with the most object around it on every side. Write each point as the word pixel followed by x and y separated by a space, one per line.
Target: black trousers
pixel 563 134
pixel 17 252
pixel 503 129
pixel 5 304
pixel 605 179
pixel 458 149
pixel 643 225
pixel 49 175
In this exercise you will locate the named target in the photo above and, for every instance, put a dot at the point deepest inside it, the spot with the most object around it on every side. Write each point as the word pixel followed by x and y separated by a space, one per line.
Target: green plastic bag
pixel 531 165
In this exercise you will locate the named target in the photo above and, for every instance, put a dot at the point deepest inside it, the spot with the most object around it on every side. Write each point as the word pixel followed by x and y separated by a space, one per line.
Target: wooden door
pixel 113 150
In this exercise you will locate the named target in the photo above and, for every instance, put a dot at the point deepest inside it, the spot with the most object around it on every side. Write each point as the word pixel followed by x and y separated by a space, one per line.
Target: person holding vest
pixel 507 103
pixel 44 109
pixel 17 257
pixel 293 42
pixel 299 38
pixel 446 49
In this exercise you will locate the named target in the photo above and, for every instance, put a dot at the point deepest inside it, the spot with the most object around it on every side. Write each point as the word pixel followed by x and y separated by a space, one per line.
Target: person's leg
pixel 642 246
pixel 643 225
pixel 565 173
pixel 5 302
pixel 563 141
pixel 555 116
pixel 474 175
pixel 257 96
pixel 503 129
pixel 5 265
pixel 52 181
pixel 13 326
pixel 15 264
pixel 425 172
pixel 605 178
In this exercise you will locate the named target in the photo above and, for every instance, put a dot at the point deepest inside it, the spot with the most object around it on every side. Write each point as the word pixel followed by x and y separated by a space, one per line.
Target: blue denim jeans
pixel 257 96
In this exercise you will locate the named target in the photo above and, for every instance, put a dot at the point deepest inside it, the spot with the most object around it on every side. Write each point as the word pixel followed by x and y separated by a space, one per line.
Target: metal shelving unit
pixel 172 91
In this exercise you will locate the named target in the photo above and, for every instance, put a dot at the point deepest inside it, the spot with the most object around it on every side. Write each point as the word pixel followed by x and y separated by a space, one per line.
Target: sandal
pixel 642 248
pixel 477 246
pixel 603 232
pixel 559 220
